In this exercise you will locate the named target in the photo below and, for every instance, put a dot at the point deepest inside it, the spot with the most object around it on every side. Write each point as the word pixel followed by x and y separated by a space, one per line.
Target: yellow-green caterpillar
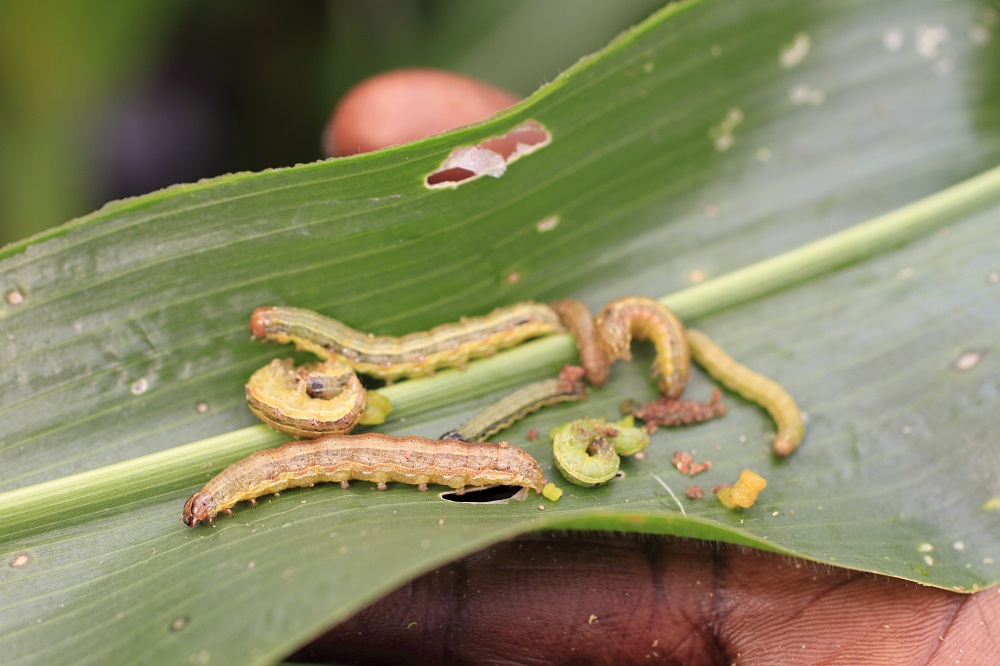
pixel 313 400
pixel 587 451
pixel 412 355
pixel 754 387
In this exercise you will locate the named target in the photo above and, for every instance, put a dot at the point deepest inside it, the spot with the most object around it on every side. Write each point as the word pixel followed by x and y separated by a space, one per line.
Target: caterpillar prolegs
pixel 369 457
pixel 412 355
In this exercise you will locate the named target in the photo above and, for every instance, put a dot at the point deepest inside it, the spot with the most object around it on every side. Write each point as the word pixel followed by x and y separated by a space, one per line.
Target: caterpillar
pixel 412 355
pixel 754 387
pixel 587 451
pixel 578 318
pixel 647 319
pixel 369 457
pixel 515 406
pixel 313 400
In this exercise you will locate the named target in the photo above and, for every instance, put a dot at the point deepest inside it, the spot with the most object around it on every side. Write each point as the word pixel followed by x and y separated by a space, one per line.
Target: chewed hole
pixel 528 135
pixel 484 495
pixel 453 175
pixel 490 157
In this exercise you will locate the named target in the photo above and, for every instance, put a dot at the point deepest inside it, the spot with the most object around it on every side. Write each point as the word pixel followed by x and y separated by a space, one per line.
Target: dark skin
pixel 611 598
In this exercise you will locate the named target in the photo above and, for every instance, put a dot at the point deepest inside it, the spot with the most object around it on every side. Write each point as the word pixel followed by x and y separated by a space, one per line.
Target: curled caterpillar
pixel 515 406
pixel 369 457
pixel 754 387
pixel 587 451
pixel 313 400
pixel 647 319
pixel 412 355
pixel 580 321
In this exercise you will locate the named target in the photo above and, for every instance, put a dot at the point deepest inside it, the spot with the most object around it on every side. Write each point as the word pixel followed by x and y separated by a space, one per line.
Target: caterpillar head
pixel 199 508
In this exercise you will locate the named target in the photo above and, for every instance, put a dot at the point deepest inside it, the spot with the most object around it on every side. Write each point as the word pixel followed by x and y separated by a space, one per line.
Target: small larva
pixel 412 355
pixel 369 457
pixel 754 387
pixel 580 321
pixel 647 319
pixel 515 406
pixel 313 400
pixel 587 451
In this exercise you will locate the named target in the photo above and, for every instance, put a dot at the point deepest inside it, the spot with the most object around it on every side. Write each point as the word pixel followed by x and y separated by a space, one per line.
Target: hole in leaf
pixel 490 157
pixel 485 495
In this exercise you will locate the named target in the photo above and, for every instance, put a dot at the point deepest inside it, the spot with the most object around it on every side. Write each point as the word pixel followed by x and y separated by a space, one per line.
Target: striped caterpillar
pixel 644 318
pixel 369 457
pixel 587 451
pixel 754 387
pixel 412 355
pixel 314 400
pixel 515 406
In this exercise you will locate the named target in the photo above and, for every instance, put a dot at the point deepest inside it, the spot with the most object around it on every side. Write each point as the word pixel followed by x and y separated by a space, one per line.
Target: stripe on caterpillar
pixel 754 387
pixel 518 404
pixel 412 355
pixel 369 457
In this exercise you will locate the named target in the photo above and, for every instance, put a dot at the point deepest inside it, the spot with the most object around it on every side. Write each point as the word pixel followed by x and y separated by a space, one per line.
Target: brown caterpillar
pixel 647 319
pixel 755 387
pixel 412 355
pixel 370 457
pixel 515 406
pixel 580 321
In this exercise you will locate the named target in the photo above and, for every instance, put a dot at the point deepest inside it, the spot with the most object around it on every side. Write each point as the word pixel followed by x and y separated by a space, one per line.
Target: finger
pixel 408 104
pixel 606 599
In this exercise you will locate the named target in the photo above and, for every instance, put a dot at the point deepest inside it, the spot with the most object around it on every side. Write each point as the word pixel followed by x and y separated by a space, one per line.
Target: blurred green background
pixel 100 101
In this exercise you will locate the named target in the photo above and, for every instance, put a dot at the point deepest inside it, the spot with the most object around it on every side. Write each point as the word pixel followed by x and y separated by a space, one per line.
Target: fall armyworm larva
pixel 313 400
pixel 647 319
pixel 580 321
pixel 754 387
pixel 587 451
pixel 369 457
pixel 412 355
pixel 518 404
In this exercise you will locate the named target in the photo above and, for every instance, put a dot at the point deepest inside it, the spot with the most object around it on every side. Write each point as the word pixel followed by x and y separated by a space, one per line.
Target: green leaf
pixel 739 141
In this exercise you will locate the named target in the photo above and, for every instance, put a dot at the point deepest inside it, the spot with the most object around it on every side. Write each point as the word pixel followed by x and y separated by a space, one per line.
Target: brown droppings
pixel 694 492
pixel 686 464
pixel 668 412
pixel 532 435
